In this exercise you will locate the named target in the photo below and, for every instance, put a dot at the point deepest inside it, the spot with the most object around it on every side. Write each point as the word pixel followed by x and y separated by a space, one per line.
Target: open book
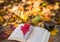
pixel 36 34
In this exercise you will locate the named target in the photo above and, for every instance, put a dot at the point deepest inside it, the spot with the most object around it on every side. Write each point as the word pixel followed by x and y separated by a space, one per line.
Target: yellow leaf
pixel 41 13
pixel 15 25
pixel 24 17
pixel 54 32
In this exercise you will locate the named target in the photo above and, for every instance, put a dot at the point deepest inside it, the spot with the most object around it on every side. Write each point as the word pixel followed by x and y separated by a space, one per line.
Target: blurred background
pixel 43 13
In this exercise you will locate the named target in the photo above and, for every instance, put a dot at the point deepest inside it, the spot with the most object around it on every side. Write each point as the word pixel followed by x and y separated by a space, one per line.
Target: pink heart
pixel 25 28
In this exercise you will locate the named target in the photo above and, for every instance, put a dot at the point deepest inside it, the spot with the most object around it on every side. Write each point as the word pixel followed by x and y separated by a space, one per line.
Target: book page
pixel 17 34
pixel 39 35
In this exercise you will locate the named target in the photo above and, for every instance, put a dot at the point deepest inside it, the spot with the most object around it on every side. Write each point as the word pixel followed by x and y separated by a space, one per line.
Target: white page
pixel 39 35
pixel 17 34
